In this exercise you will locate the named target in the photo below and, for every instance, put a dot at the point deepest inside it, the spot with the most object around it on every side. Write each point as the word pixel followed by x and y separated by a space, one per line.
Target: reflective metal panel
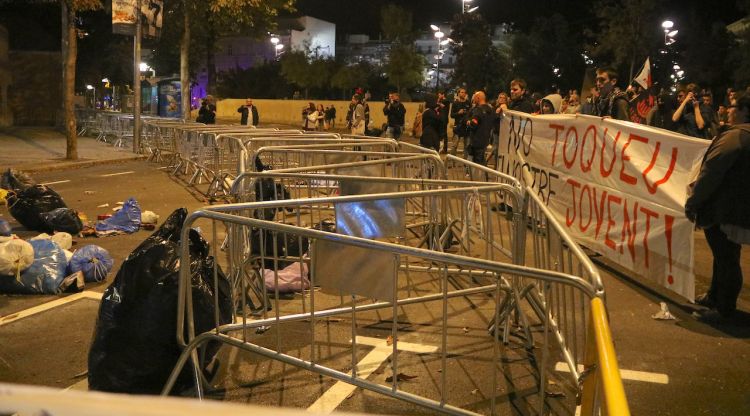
pixel 371 219
pixel 346 269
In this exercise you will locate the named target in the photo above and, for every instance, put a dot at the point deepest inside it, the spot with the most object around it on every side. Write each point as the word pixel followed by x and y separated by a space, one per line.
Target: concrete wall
pixel 35 96
pixel 290 111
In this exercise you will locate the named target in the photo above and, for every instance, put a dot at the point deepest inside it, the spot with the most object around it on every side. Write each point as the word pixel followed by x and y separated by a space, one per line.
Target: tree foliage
pixel 305 71
pixel 549 55
pixel 479 64
pixel 628 32
pixel 404 67
pixel 260 81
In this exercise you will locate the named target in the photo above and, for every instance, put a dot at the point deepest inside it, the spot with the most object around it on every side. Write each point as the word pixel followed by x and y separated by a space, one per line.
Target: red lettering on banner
pixel 568 220
pixel 624 158
pixel 569 162
pixel 627 229
pixel 649 214
pixel 599 211
pixel 558 128
pixel 591 128
pixel 652 188
pixel 587 190
pixel 668 222
pixel 605 173
pixel 610 222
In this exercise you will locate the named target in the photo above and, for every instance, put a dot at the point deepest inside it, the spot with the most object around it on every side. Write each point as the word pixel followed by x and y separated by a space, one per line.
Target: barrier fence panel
pixel 359 277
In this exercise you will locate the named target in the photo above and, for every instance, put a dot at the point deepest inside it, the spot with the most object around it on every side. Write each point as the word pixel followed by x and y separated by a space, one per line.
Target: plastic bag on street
pixel 148 217
pixel 292 278
pixel 127 219
pixel 27 206
pixel 72 283
pixel 94 261
pixel 63 239
pixel 45 274
pixel 134 347
pixel 5 229
pixel 15 257
pixel 63 219
pixel 16 180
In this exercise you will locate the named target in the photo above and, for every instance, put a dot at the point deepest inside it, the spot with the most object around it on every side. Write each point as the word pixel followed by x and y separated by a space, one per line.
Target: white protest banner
pixel 619 188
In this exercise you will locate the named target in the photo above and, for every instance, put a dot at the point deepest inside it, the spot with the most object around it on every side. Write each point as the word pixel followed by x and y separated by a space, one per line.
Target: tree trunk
pixel 69 53
pixel 184 66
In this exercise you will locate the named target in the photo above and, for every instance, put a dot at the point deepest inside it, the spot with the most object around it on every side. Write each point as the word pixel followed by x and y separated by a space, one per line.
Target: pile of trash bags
pixel 45 265
pixel 134 348
pixel 38 207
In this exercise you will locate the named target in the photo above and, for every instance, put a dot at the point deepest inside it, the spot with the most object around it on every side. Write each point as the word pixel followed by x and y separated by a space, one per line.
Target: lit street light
pixel 277 45
pixel 91 88
pixel 439 35
pixel 466 6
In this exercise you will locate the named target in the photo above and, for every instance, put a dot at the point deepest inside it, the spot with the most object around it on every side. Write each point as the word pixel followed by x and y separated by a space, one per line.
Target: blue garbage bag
pixel 127 219
pixel 44 276
pixel 94 261
pixel 5 229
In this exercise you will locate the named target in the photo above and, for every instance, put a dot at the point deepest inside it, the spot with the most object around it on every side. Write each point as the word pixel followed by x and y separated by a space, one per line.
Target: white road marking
pixel 49 305
pixel 82 385
pixel 658 378
pixel 56 182
pixel 334 396
pixel 118 173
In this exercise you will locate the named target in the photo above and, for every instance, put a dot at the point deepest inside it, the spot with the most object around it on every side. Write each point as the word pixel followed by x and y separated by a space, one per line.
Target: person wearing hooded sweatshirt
pixel 551 104
pixel 430 124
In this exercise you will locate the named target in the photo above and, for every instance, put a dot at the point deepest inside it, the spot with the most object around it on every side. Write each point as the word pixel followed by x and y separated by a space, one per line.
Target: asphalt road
pixel 676 367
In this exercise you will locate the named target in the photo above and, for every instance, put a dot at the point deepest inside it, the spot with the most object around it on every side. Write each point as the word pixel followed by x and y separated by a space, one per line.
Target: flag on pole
pixel 644 76
pixel 644 101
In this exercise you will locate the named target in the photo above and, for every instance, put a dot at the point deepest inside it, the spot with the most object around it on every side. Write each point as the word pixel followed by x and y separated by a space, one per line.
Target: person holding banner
pixel 612 102
pixel 719 203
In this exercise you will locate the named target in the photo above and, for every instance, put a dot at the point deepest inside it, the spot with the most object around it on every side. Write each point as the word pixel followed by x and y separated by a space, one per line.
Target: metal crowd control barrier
pixel 363 279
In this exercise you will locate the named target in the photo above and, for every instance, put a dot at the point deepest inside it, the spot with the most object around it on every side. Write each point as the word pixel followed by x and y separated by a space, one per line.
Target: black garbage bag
pixel 28 205
pixel 267 190
pixel 16 180
pixel 62 219
pixel 134 347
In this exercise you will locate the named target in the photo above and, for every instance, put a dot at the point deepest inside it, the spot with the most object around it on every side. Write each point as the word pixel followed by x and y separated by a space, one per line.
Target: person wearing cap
pixel 248 113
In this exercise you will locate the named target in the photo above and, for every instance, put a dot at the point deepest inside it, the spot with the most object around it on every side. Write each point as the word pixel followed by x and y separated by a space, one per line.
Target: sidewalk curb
pixel 65 165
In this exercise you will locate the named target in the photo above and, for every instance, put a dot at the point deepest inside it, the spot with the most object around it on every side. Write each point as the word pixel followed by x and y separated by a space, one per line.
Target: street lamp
pixel 91 88
pixel 439 35
pixel 669 34
pixel 466 6
pixel 277 45
pixel 143 67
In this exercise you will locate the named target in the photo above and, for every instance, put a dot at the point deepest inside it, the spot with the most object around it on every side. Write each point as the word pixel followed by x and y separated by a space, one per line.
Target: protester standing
pixel 719 203
pixel 612 102
pixel 481 120
pixel 357 120
pixel 430 124
pixel 248 113
pixel 443 110
pixel 459 112
pixel 395 113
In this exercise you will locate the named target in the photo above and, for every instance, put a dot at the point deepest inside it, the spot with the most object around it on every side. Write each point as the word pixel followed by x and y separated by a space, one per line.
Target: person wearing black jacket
pixel 519 100
pixel 396 114
pixel 248 110
pixel 207 112
pixel 719 203
pixel 430 124
pixel 481 120
pixel 443 109
pixel 459 112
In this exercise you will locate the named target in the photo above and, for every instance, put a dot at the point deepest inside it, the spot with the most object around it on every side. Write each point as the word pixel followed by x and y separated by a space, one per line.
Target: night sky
pixel 363 16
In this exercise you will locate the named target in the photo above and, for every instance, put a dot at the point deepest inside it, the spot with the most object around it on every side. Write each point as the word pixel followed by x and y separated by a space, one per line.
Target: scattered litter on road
pixel 102 206
pixel 15 257
pixel 149 217
pixel 125 220
pixel 400 377
pixel 664 313
pixel 89 192
pixel 5 229
pixel 93 261
pixel 389 340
